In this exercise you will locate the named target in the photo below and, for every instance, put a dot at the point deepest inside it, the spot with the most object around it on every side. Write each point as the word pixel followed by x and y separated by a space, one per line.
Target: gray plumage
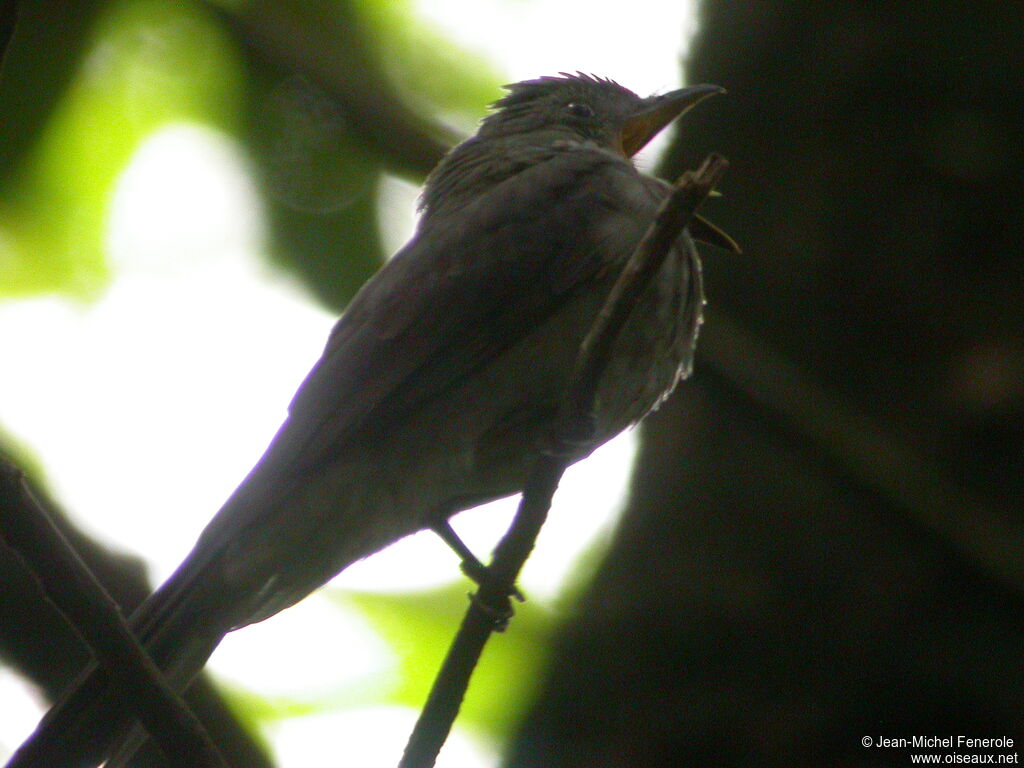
pixel 441 379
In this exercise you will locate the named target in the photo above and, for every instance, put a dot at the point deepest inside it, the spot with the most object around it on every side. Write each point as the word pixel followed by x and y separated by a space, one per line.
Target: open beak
pixel 656 112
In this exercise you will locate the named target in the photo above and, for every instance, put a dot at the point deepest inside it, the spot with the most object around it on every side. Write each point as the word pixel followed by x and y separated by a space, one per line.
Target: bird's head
pixel 586 108
pixel 538 118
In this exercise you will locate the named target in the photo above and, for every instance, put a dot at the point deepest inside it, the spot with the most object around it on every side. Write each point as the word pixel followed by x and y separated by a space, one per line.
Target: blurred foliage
pixel 418 627
pixel 141 65
pixel 315 137
pixel 255 709
pixel 117 71
pixel 27 103
pixel 428 70
pixel 318 184
pixel 85 84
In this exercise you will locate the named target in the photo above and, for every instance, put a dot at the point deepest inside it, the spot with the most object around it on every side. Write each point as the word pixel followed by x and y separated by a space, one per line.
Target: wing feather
pixel 459 293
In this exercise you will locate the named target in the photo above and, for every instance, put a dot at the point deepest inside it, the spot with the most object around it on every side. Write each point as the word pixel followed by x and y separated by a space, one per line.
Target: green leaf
pixel 420 626
pixel 144 63
pixel 432 72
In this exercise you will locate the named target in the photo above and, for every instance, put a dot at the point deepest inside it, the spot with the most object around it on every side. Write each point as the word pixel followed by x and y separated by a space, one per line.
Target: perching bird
pixel 441 380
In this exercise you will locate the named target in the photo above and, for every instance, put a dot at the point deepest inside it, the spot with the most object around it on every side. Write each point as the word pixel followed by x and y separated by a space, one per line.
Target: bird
pixel 441 380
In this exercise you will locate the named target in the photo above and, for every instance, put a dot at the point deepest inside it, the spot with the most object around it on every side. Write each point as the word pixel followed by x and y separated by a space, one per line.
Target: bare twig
pixel 38 643
pixel 69 584
pixel 575 425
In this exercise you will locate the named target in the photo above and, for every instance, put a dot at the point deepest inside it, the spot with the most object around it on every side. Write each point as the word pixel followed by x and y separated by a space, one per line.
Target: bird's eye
pixel 580 109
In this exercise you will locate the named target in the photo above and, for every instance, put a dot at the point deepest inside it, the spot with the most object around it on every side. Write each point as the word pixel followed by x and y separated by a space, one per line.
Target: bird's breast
pixel 522 390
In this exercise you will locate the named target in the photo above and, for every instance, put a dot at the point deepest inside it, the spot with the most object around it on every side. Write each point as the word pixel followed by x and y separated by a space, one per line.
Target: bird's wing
pixel 461 292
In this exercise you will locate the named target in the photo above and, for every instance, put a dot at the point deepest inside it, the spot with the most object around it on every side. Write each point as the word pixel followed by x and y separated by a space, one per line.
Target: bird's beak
pixel 656 112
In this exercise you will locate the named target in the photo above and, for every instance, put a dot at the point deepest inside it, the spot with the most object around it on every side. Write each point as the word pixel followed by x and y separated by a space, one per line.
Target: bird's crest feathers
pixel 522 95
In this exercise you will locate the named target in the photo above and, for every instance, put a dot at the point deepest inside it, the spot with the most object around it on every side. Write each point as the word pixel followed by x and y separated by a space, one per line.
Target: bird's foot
pixel 471 565
pixel 499 610
pixel 483 576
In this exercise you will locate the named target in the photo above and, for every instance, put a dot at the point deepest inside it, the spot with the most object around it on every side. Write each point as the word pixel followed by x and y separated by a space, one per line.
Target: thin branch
pixel 39 644
pixel 72 588
pixel 490 606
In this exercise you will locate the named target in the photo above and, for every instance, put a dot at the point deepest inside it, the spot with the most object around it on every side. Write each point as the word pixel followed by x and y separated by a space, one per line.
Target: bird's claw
pixel 500 614
pixel 470 563
pixel 483 575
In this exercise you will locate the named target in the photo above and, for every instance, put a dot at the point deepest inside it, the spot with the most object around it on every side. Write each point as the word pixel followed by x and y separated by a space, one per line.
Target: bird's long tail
pixel 179 625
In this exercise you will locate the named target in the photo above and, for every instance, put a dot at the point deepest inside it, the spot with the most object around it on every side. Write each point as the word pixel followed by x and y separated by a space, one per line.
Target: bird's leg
pixel 470 565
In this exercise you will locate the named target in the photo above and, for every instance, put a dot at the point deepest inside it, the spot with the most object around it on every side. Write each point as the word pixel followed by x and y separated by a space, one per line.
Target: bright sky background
pixel 114 404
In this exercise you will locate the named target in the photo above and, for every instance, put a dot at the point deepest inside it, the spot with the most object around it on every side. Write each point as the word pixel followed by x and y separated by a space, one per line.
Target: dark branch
pixel 490 606
pixel 39 643
pixel 72 588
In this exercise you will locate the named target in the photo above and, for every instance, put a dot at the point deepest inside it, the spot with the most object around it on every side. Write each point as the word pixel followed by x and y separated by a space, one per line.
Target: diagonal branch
pixel 490 605
pixel 69 584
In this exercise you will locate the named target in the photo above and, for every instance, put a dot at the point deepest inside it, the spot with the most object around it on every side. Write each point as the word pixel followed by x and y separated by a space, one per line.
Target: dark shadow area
pixel 824 538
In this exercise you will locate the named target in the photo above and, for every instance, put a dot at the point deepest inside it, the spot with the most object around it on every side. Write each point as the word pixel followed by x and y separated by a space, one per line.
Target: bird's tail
pixel 179 625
